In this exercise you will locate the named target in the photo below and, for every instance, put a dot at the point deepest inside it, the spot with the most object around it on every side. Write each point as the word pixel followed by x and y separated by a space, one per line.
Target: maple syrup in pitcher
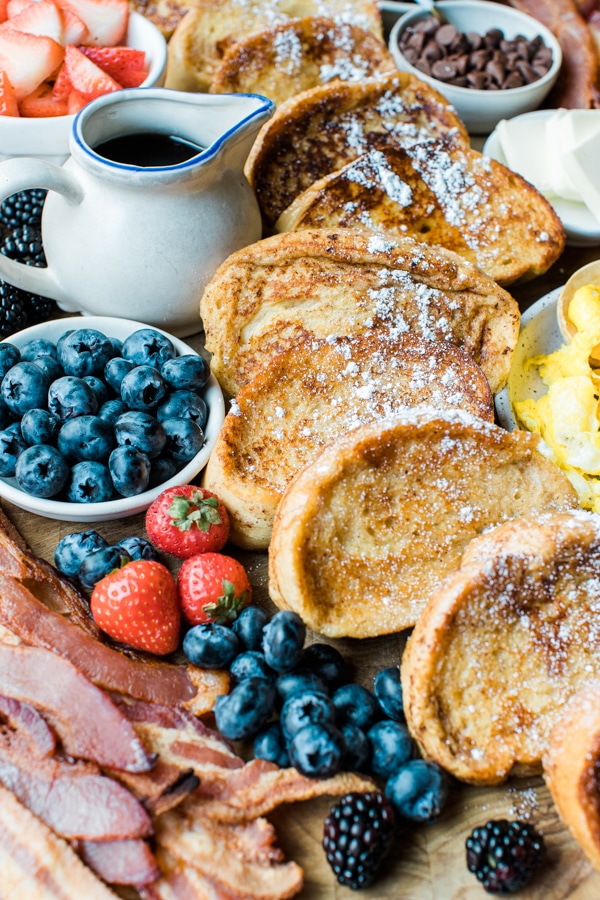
pixel 148 149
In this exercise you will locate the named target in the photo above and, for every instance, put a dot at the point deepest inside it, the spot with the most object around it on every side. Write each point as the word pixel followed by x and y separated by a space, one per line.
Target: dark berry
pixel 143 388
pixel 418 790
pixel 270 744
pixel 242 713
pixel 504 855
pixel 85 352
pixel 388 691
pixel 9 357
pixel 129 470
pixel 73 549
pixel 25 387
pixel 86 437
pixel 328 663
pixel 391 746
pixel 38 426
pixel 211 646
pixel 89 482
pixel 305 708
pixel 184 439
pixel 297 681
pixel 357 836
pixel 283 639
pixel 36 347
pixel 188 372
pixel 317 750
pixel 249 664
pixel 147 347
pixel 249 627
pixel 23 208
pixel 69 397
pixel 184 405
pixel 142 431
pixel 41 471
pixel 100 563
pixel 357 751
pixel 12 445
pixel 138 548
pixel 355 705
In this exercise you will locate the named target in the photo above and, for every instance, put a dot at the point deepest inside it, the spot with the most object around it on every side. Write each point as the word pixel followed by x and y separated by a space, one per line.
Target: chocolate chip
pixel 513 80
pixel 444 69
pixel 496 71
pixel 445 35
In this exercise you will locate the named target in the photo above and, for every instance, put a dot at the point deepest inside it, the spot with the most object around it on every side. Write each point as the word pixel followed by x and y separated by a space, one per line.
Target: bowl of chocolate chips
pixel 490 61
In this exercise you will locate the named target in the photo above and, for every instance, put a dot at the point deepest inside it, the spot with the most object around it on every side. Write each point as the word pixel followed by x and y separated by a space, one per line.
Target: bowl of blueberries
pixel 98 415
pixel 490 61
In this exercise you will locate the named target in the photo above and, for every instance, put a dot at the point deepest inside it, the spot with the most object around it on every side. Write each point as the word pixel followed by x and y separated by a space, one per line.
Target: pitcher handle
pixel 21 174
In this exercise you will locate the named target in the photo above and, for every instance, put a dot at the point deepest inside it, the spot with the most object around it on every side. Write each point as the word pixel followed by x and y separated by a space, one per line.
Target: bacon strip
pixel 177 883
pixel 120 862
pixel 88 724
pixel 36 864
pixel 153 681
pixel 22 717
pixel 161 789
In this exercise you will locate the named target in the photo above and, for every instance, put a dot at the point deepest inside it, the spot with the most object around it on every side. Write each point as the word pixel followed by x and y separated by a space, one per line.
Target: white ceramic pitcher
pixel 136 242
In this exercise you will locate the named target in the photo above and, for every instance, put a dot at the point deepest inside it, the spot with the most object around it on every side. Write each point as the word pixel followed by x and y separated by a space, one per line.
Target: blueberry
pixel 129 470
pixel 84 351
pixel 41 471
pixel 184 405
pixel 38 426
pixel 249 627
pixel 418 790
pixel 184 439
pixel 211 646
pixel 162 469
pixel 142 431
pixel 283 638
pixel 143 388
pixel 270 744
pixel 6 417
pixel 299 680
pixel 242 713
pixel 99 564
pixel 73 549
pixel 11 447
pixel 117 345
pixel 115 371
pixel 355 705
pixel 111 410
pixel 328 663
pixel 357 750
pixel 50 367
pixel 317 750
pixel 69 397
pixel 9 357
pixel 391 747
pixel 148 347
pixel 38 347
pixel 305 708
pixel 249 664
pixel 89 482
pixel 188 372
pixel 388 691
pixel 86 438
pixel 98 387
pixel 24 387
pixel 138 548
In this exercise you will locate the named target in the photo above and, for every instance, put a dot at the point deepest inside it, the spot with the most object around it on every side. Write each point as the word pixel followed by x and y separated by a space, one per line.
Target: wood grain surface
pixel 428 861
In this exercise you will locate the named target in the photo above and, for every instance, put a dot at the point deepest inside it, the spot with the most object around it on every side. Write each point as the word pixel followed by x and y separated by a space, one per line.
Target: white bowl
pixel 48 138
pixel 539 335
pixel 125 506
pixel 482 110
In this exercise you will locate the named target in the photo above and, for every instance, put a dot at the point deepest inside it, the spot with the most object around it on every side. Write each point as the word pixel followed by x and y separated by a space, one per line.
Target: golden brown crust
pixel 364 534
pixel 572 768
pixel 298 55
pixel 503 644
pixel 323 283
pixel 439 194
pixel 310 395
pixel 319 131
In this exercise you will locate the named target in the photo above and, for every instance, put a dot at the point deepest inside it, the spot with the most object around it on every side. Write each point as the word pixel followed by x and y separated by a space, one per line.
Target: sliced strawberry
pixel 28 59
pixel 86 77
pixel 3 10
pixel 75 29
pixel 106 20
pixel 14 7
pixel 41 18
pixel 8 100
pixel 41 103
pixel 124 64
pixel 62 84
pixel 75 102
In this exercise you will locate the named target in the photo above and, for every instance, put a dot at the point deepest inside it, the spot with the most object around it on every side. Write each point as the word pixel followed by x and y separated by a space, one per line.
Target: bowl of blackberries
pixel 98 415
pixel 490 61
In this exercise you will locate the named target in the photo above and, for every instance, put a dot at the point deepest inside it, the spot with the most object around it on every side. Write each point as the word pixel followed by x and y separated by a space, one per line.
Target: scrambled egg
pixel 567 417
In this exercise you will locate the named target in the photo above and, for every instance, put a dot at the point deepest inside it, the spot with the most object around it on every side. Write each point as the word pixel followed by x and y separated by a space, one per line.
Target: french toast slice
pixel 165 14
pixel 319 283
pixel 203 35
pixel 439 194
pixel 571 767
pixel 299 55
pixel 321 130
pixel 307 396
pixel 503 644
pixel 369 530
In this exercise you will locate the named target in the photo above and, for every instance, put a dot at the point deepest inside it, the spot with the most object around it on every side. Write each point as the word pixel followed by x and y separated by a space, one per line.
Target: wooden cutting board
pixel 428 861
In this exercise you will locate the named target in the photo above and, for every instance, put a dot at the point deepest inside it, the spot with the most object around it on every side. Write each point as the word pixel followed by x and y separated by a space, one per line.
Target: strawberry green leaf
pixel 196 510
pixel 228 606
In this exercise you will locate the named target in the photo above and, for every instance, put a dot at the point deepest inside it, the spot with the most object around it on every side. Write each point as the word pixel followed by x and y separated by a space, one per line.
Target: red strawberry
pixel 76 31
pixel 3 10
pixel 212 587
pixel 124 64
pixel 85 75
pixel 106 20
pixel 27 59
pixel 137 605
pixel 186 520
pixel 42 18
pixel 8 101
pixel 62 85
pixel 42 103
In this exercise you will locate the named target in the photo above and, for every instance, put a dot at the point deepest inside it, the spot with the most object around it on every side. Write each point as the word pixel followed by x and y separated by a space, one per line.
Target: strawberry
pixel 85 75
pixel 42 18
pixel 137 605
pixel 212 587
pixel 28 59
pixel 76 31
pixel 8 101
pixel 124 64
pixel 41 103
pixel 3 10
pixel 62 85
pixel 186 520
pixel 106 20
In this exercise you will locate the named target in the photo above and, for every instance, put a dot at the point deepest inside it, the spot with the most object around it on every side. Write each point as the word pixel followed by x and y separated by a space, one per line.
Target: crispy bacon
pixel 577 86
pixel 177 883
pixel 151 680
pixel 87 722
pixel 161 789
pixel 21 716
pixel 35 864
pixel 120 862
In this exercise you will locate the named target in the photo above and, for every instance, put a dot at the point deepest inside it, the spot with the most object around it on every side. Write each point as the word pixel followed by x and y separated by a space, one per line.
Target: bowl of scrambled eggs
pixel 553 388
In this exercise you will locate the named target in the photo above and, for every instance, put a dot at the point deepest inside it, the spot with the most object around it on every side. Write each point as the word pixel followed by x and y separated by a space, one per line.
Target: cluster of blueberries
pixel 86 556
pixel 92 418
pixel 300 708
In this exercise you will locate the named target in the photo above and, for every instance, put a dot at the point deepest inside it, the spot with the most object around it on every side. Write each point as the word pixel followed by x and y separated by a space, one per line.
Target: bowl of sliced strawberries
pixel 56 56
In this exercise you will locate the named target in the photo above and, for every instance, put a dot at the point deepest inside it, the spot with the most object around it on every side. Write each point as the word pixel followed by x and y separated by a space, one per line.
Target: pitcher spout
pixel 239 118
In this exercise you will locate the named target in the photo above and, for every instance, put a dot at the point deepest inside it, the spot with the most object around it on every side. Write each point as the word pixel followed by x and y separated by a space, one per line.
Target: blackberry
pixel 13 315
pixel 23 208
pixel 357 835
pixel 24 242
pixel 504 855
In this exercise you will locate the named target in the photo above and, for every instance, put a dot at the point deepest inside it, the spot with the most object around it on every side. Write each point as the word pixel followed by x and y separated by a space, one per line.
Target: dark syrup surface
pixel 148 149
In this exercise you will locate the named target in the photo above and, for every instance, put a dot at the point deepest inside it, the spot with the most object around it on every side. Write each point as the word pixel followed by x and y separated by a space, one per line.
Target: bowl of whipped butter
pixel 557 151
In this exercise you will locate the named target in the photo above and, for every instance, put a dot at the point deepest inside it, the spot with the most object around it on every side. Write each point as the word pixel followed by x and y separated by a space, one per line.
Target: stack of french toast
pixel 361 343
